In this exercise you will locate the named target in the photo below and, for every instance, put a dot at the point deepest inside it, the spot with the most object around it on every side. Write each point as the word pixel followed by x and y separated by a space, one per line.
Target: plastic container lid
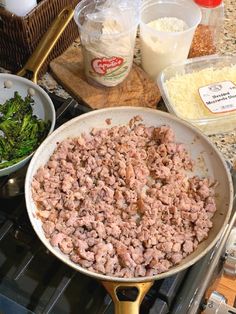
pixel 202 91
pixel 208 3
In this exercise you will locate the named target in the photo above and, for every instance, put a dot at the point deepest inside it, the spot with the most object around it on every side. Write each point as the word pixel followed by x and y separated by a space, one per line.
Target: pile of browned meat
pixel 119 201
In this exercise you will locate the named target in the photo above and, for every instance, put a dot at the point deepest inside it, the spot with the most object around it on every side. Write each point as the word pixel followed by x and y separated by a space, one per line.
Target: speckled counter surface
pixel 225 142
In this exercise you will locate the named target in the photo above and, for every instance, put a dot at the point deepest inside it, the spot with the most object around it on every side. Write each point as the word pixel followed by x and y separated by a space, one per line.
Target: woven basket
pixel 19 36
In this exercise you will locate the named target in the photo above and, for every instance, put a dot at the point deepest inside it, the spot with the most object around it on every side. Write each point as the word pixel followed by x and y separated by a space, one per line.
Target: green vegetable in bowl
pixel 21 132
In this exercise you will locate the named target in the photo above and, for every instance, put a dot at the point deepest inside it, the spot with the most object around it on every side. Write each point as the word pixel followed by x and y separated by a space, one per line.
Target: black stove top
pixel 32 280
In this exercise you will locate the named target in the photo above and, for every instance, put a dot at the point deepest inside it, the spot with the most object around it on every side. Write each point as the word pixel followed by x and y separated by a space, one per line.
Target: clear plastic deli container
pixel 169 38
pixel 202 91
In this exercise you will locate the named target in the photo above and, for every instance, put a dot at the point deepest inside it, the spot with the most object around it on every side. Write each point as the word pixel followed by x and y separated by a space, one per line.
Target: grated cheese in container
pixel 202 91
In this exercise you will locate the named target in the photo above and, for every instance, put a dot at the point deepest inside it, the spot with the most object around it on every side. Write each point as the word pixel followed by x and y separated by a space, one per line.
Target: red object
pixel 100 65
pixel 208 3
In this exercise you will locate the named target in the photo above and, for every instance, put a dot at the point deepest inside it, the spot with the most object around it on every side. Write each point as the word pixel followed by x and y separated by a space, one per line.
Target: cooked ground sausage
pixel 120 201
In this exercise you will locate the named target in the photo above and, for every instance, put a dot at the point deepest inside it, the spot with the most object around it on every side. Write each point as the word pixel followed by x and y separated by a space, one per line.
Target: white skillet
pixel 209 162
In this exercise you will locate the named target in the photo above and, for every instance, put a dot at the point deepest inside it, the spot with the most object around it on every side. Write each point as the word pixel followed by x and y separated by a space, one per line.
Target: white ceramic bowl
pixel 43 107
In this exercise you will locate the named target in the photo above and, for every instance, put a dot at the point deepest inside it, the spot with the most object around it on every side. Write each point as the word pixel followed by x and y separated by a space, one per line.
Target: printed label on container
pixel 219 97
pixel 102 65
pixel 107 71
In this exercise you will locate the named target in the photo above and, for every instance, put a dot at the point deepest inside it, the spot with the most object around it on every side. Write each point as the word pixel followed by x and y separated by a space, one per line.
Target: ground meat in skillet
pixel 119 201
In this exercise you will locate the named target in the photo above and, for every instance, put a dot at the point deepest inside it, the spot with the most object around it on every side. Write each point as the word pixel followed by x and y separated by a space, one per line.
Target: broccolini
pixel 21 132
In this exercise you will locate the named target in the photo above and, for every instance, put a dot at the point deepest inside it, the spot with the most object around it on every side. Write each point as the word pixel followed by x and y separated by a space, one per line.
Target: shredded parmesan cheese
pixel 164 44
pixel 168 24
pixel 184 95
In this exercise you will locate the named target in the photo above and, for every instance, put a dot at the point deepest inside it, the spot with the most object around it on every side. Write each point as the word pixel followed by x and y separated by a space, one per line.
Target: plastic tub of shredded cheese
pixel 202 91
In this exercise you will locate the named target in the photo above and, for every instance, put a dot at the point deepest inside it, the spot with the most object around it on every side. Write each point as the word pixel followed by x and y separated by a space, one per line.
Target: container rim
pixel 174 2
pixel 81 5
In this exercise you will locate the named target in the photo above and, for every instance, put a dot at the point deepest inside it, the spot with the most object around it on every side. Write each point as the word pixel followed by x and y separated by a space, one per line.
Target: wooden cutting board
pixel 137 90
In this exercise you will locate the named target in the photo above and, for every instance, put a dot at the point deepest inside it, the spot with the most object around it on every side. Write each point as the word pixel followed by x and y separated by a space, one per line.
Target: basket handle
pixel 46 44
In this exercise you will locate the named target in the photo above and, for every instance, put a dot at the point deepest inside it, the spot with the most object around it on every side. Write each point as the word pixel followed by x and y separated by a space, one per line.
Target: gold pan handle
pixel 127 307
pixel 47 43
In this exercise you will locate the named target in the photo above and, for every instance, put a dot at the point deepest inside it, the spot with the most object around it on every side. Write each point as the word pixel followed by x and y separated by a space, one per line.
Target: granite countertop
pixel 226 142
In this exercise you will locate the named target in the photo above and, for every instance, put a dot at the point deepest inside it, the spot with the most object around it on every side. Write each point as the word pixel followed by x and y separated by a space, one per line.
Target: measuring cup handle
pixel 127 307
pixel 46 44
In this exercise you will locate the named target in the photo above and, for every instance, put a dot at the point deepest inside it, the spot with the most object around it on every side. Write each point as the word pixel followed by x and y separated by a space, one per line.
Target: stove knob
pixel 216 304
